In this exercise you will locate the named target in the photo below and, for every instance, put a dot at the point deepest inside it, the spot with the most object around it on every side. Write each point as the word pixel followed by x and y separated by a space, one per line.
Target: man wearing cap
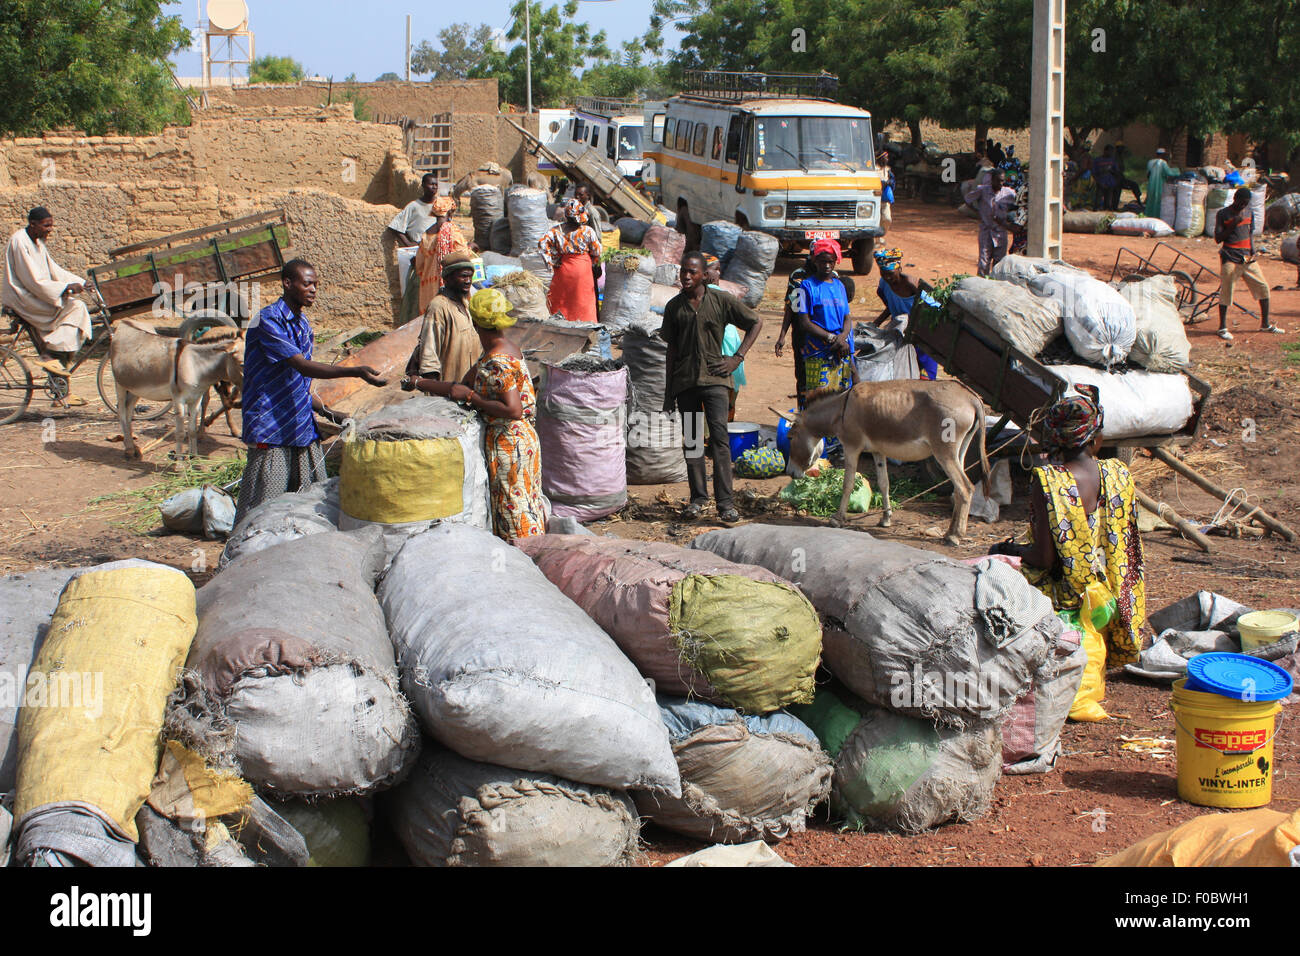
pixel 1158 172
pixel 1234 227
pixel 449 345
pixel 44 294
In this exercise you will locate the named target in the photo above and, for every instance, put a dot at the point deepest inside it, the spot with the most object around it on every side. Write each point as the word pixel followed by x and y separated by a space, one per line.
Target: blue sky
pixel 338 37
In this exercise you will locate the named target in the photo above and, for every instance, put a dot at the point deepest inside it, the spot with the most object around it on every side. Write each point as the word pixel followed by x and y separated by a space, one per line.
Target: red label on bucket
pixel 1232 740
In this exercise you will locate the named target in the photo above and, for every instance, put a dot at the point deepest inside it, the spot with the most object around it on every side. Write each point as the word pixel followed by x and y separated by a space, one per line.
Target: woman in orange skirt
pixel 572 250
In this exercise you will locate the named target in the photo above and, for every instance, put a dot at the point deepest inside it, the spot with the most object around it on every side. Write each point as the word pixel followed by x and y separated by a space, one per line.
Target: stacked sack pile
pixel 1128 341
pixel 727 646
pixel 930 659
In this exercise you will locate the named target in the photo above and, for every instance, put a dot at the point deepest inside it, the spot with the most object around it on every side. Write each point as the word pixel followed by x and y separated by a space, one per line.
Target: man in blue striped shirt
pixel 284 452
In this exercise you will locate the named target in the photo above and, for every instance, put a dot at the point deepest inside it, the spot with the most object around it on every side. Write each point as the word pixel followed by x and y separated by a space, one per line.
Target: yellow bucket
pixel 1259 628
pixel 1225 748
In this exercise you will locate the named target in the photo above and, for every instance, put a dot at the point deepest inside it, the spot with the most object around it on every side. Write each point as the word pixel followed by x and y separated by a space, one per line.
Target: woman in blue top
pixel 898 291
pixel 823 314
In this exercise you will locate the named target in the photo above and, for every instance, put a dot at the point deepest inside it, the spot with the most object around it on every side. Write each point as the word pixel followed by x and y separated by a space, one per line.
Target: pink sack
pixel 582 425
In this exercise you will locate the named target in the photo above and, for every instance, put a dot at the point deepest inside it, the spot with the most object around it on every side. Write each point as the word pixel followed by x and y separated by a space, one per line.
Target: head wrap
pixel 709 261
pixel 888 259
pixel 490 310
pixel 455 261
pixel 1071 423
pixel 574 210
pixel 443 205
pixel 827 245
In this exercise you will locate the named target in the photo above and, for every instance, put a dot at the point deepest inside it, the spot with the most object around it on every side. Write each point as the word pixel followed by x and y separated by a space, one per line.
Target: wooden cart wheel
pixel 144 410
pixel 196 323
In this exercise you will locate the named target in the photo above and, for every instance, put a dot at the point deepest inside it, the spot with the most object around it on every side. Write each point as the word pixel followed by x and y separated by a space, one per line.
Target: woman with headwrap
pixel 572 249
pixel 821 308
pixel 898 291
pixel 1084 550
pixel 500 389
pixel 443 238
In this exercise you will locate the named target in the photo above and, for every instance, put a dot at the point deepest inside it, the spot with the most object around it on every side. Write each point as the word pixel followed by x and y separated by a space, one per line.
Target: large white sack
pixel 1020 269
pixel 1098 320
pixel 504 669
pixel 1135 403
pixel 908 629
pixel 1183 193
pixel 1025 320
pixel 457 812
pixel 1140 226
pixel 285 518
pixel 1160 342
pixel 1216 197
pixel 292 652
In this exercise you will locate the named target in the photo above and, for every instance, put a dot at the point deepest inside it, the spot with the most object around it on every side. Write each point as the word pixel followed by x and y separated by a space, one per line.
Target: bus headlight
pixel 866 210
pixel 774 210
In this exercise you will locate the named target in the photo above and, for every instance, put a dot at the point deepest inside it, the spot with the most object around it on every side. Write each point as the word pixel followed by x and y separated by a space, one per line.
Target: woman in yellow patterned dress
pixel 500 389
pixel 1084 551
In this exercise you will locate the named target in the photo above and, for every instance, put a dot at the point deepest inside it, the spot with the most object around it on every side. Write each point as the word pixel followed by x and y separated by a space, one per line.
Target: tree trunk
pixel 981 135
pixel 915 127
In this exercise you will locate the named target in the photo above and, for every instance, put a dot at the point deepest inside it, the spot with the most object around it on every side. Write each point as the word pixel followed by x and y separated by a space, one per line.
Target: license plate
pixel 812 235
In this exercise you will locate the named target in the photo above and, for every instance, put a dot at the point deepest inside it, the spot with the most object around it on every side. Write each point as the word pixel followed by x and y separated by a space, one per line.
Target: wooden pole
pixel 1233 498
pixel 1188 530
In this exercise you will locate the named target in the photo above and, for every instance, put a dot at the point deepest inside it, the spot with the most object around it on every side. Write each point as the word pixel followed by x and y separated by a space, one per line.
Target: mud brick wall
pixel 395 98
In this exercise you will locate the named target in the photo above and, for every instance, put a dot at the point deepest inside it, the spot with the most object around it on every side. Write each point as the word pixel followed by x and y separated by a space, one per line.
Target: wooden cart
pixel 1016 386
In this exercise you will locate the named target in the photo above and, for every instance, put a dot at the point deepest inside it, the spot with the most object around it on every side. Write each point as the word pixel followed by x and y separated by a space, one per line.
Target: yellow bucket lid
pixel 1268 623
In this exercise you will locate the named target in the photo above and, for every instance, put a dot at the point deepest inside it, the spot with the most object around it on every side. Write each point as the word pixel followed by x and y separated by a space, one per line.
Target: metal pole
pixel 528 53
pixel 1047 130
pixel 408 48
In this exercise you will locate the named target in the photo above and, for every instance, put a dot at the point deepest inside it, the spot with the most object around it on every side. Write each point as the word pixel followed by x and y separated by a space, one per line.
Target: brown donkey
pixel 905 420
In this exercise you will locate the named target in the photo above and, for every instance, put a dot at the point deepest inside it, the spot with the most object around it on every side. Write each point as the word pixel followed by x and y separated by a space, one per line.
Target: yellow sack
pixel 1250 838
pixel 115 647
pixel 1092 689
pixel 192 794
pixel 611 241
pixel 393 482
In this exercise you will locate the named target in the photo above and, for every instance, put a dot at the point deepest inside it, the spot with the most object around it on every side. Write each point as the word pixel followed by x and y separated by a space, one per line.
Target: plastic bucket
pixel 1225 748
pixel 1259 628
pixel 742 436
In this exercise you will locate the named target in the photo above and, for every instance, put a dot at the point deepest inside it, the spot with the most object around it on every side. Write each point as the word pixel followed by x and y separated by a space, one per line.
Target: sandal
pixel 1225 335
pixel 691 512
pixel 730 516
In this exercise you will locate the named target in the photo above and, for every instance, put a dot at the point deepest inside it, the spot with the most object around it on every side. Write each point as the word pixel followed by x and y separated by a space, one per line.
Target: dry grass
pixel 1211 462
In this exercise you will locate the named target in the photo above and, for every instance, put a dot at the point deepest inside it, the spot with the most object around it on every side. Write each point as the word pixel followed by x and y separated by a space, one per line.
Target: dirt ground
pixel 1100 799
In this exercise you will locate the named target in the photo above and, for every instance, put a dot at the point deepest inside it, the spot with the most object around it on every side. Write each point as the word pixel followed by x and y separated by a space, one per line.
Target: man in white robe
pixel 44 293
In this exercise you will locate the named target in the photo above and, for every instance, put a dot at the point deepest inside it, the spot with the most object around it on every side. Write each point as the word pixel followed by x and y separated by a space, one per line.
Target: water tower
pixel 227 42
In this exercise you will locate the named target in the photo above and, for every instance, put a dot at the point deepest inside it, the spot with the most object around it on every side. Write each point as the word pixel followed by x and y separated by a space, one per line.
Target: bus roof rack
pixel 732 87
pixel 607 106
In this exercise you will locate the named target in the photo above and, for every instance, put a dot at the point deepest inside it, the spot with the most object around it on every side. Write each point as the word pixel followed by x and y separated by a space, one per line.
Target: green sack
pixel 821 495
pixel 903 773
pixel 758 643
pixel 336 831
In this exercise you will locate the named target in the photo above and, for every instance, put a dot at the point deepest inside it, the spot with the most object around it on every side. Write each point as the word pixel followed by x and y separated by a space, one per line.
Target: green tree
pixel 387 77
pixel 561 47
pixel 93 66
pixel 463 48
pixel 276 69
pixel 627 75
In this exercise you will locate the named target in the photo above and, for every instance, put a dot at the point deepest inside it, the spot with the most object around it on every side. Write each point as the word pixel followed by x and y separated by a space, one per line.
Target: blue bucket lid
pixel 1239 677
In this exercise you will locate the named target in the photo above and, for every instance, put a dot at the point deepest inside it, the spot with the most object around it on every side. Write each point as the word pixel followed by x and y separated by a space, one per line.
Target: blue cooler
pixel 742 436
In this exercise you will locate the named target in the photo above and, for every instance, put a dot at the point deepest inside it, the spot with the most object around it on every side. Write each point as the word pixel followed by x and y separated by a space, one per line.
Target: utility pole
pixel 408 48
pixel 1047 130
pixel 528 53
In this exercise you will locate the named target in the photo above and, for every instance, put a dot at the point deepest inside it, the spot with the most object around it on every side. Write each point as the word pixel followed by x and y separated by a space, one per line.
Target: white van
pixel 613 127
pixel 773 153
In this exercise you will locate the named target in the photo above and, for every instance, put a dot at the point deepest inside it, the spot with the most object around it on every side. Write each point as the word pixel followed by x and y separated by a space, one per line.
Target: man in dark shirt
pixel 699 376
pixel 1234 227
